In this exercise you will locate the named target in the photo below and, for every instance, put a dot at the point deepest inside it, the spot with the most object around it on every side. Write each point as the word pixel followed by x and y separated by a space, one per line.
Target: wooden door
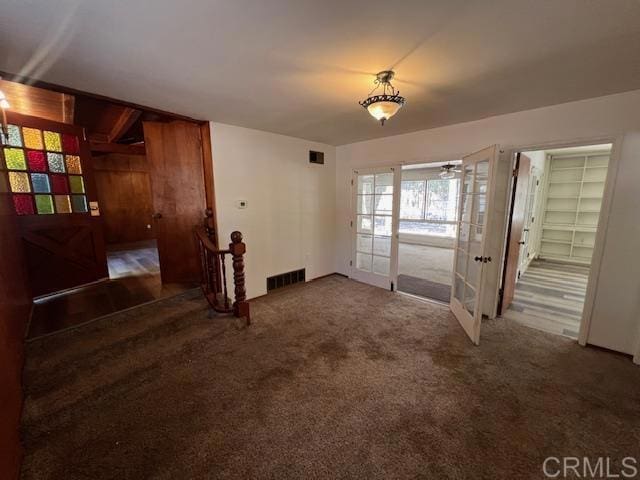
pixel 175 157
pixel 515 232
pixel 48 168
pixel 474 210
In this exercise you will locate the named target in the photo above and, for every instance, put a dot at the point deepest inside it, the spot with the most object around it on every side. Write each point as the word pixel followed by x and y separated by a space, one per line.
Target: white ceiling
pixel 299 67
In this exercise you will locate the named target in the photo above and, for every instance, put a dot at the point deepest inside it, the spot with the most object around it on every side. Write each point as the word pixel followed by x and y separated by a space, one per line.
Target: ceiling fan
pixel 449 171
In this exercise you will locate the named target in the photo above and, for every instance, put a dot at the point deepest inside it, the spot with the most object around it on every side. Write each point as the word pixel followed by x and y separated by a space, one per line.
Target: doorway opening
pixel 106 195
pixel 427 229
pixel 556 199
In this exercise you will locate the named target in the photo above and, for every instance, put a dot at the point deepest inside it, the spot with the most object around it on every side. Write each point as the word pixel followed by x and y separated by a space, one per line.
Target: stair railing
pixel 213 269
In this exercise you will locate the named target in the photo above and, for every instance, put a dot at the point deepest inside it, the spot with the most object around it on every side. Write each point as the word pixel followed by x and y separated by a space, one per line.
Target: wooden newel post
pixel 238 249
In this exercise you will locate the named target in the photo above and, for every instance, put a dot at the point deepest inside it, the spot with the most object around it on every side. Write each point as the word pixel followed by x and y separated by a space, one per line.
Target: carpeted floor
pixel 334 379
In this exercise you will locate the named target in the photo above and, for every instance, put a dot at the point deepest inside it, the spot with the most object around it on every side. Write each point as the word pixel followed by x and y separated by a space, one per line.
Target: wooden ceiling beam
pixel 127 118
pixel 105 147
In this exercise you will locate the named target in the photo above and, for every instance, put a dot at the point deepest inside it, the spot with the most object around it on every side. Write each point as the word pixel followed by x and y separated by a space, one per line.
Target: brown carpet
pixel 334 379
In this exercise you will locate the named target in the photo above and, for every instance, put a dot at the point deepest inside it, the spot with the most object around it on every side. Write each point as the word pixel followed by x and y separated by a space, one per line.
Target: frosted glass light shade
pixel 447 174
pixel 383 110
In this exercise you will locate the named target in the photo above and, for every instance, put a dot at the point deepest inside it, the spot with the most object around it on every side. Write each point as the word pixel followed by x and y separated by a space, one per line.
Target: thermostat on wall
pixel 241 204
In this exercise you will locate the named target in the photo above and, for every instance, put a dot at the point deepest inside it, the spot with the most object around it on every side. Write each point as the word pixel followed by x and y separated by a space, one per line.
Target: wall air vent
pixel 285 279
pixel 316 157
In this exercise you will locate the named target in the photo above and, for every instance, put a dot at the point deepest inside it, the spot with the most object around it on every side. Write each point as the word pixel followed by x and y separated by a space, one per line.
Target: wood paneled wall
pixel 39 102
pixel 124 193
pixel 15 305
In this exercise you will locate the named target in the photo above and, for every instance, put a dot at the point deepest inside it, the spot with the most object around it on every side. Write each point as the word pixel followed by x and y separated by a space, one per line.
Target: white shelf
pixel 574 188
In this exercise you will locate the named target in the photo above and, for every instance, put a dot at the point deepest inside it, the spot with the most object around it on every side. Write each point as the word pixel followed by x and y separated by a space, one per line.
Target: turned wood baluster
pixel 209 227
pixel 238 249
pixel 224 281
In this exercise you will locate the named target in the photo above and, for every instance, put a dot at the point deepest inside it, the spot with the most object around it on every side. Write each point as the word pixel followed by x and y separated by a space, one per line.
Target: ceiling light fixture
pixel 448 171
pixel 384 105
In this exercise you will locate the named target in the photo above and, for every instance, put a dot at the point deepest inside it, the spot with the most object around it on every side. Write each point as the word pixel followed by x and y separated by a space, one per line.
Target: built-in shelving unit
pixel 574 190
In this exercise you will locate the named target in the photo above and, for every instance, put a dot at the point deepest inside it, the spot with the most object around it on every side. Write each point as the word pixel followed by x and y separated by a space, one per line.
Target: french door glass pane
pixel 364 243
pixel 384 183
pixel 383 204
pixel 479 208
pixel 365 184
pixel 381 265
pixel 365 204
pixel 382 246
pixel 363 261
pixel 469 298
pixel 467 183
pixel 461 262
pixel 382 225
pixel 364 224
pixel 458 288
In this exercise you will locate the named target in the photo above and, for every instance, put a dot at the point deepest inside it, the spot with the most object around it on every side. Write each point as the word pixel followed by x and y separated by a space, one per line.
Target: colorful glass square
pixel 73 164
pixel 19 182
pixel 23 204
pixel 59 183
pixel 56 162
pixel 14 158
pixel 70 143
pixel 63 204
pixel 32 138
pixel 44 204
pixel 77 184
pixel 79 203
pixel 52 141
pixel 40 182
pixel 13 138
pixel 37 161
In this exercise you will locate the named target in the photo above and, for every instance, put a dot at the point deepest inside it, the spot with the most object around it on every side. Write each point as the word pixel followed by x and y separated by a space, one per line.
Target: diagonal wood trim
pixel 58 249
pixel 124 122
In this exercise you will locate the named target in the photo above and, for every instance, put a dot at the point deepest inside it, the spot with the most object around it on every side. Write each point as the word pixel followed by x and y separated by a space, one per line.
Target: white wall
pixel 615 328
pixel 289 222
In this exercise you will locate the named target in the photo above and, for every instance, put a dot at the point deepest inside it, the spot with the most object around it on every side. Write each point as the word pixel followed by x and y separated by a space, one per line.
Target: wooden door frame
pixel 512 201
pixel 603 220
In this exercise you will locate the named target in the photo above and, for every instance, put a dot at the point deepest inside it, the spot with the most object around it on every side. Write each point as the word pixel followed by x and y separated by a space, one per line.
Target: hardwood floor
pixel 135 279
pixel 133 259
pixel 550 297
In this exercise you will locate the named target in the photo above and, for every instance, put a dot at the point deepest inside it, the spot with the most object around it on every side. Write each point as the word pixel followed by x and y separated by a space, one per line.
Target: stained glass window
pixel 56 163
pixel 52 141
pixel 40 182
pixel 70 143
pixel 59 183
pixel 77 185
pixel 32 138
pixel 19 182
pixel 44 169
pixel 44 204
pixel 14 157
pixel 63 204
pixel 79 203
pixel 73 164
pixel 14 139
pixel 37 161
pixel 23 204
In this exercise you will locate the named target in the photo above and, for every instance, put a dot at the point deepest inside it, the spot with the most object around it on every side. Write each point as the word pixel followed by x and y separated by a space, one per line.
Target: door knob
pixel 521 243
pixel 156 216
pixel 478 259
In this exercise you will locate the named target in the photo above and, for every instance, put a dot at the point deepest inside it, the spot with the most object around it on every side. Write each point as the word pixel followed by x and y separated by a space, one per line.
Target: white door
pixel 375 203
pixel 470 254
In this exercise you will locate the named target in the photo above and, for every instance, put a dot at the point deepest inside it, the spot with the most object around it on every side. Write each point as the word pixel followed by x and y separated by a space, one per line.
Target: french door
pixel 376 201
pixel 471 257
